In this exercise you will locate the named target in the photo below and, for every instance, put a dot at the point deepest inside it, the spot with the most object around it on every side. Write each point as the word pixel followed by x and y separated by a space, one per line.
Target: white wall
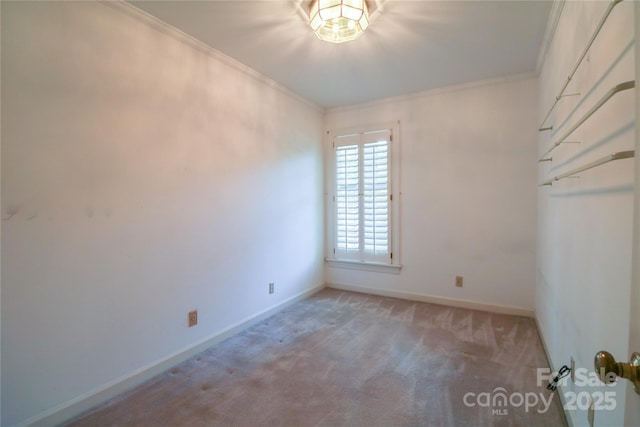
pixel 468 203
pixel 585 225
pixel 142 177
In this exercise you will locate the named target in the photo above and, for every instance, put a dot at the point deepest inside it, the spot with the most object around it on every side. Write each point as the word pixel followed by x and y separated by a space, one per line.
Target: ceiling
pixel 410 46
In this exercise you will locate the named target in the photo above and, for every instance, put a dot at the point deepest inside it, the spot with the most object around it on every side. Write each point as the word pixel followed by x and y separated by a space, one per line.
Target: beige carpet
pixel 348 359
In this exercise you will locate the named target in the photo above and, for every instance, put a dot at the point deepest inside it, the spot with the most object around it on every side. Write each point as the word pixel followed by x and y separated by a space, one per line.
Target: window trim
pixel 364 265
pixel 330 187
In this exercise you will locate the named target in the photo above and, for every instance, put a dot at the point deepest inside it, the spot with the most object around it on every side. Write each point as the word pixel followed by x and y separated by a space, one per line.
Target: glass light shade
pixel 338 21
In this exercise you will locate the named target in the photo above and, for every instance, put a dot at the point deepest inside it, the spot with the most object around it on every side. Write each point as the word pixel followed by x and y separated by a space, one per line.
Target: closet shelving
pixel 561 94
pixel 610 93
pixel 572 173
pixel 614 90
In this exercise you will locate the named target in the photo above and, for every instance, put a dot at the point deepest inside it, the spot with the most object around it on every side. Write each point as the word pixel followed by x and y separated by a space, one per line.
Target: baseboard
pixel 453 302
pixel 82 403
pixel 569 416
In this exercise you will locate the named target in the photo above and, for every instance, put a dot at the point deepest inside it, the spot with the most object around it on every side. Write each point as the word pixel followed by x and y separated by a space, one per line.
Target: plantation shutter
pixel 348 197
pixel 375 203
pixel 362 197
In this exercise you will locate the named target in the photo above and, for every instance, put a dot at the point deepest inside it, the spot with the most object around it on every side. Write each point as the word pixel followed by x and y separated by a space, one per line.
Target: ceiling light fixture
pixel 338 21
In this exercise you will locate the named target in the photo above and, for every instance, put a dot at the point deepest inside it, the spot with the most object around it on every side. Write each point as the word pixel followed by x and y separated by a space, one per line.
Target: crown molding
pixel 194 43
pixel 436 91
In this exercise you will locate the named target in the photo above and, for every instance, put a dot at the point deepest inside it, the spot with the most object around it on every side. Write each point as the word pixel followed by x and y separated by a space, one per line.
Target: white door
pixel 632 401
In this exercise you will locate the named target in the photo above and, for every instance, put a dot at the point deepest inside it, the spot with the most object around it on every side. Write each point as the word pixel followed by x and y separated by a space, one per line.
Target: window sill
pixel 367 266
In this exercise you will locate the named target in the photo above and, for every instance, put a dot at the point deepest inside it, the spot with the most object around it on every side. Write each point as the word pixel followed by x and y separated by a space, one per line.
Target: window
pixel 362 204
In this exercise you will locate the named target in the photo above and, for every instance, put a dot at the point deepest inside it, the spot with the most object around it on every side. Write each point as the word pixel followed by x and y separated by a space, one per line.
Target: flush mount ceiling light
pixel 338 21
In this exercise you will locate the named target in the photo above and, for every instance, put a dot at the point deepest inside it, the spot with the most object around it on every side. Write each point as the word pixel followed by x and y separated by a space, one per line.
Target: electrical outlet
pixel 573 369
pixel 459 281
pixel 272 287
pixel 193 318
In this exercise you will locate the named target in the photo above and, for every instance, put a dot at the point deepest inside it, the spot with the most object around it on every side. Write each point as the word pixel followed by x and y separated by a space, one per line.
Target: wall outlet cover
pixel 193 318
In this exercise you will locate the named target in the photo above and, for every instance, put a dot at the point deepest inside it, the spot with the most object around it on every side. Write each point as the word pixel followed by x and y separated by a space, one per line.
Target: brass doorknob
pixel 608 369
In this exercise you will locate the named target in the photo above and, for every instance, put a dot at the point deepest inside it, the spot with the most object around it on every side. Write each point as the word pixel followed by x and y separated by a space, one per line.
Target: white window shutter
pixel 362 197
pixel 376 200
pixel 347 198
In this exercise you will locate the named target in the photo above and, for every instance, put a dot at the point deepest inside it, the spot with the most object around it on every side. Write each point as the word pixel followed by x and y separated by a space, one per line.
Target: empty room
pixel 320 213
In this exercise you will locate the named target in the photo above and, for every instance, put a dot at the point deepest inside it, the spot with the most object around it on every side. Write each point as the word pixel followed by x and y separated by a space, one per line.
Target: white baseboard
pixel 568 415
pixel 84 402
pixel 453 302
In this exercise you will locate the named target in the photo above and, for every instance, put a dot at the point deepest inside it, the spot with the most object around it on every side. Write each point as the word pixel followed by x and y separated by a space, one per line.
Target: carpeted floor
pixel 348 359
